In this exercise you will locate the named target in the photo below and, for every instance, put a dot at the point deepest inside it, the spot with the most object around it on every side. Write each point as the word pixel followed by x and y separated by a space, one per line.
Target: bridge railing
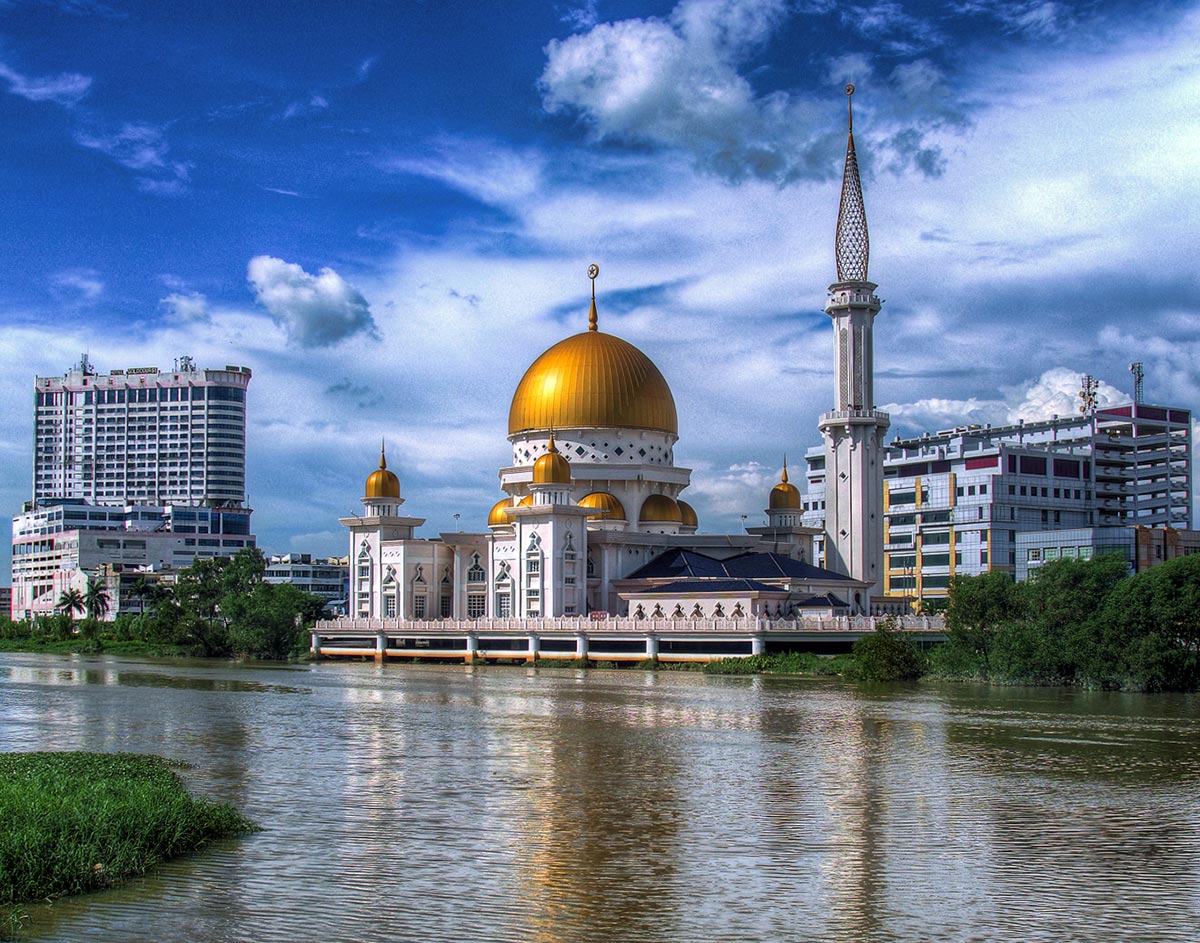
pixel 640 627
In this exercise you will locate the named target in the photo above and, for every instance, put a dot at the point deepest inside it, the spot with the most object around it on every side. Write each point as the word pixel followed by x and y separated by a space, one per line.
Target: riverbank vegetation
pixel 219 607
pixel 1083 623
pixel 75 822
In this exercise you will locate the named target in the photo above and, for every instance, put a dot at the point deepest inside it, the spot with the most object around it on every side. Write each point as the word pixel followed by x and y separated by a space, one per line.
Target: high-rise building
pixel 134 471
pixel 853 430
pixel 141 436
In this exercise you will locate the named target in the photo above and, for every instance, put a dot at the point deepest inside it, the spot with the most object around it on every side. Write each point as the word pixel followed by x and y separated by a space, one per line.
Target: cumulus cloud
pixel 316 310
pixel 186 306
pixel 1056 393
pixel 678 83
pixel 67 88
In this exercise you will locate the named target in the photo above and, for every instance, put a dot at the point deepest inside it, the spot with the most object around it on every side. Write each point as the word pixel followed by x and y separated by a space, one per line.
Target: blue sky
pixel 387 211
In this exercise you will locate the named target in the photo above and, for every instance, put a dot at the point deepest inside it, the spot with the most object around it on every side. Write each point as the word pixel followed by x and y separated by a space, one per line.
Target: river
pixel 508 804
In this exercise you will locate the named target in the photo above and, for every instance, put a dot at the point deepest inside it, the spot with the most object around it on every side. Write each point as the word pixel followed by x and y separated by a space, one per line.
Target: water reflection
pixel 464 804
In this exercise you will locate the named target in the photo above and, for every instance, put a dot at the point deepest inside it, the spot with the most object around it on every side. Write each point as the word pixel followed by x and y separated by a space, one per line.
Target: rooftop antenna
pixel 1136 369
pixel 1087 395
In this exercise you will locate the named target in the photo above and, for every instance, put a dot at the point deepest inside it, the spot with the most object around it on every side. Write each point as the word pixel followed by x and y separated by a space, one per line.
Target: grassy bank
pixel 102 645
pixel 75 822
pixel 784 663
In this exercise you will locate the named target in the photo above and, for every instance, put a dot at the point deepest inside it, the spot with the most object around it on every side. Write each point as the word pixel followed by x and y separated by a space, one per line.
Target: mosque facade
pixel 594 519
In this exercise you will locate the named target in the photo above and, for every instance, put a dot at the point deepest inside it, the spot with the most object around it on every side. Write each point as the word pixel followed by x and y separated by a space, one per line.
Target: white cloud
pixel 490 172
pixel 80 284
pixel 189 306
pixel 316 310
pixel 142 148
pixel 66 88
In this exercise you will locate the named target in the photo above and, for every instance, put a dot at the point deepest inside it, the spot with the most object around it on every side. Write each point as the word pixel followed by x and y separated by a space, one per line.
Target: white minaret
pixel 854 429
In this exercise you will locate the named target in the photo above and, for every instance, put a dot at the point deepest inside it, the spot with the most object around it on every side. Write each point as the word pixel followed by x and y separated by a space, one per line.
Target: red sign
pixel 597 615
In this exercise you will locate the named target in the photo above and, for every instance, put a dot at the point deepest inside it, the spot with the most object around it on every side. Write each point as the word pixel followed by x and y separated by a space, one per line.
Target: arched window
pixel 738 612
pixel 658 612
pixel 475 573
pixel 678 613
pixel 639 612
pixel 697 612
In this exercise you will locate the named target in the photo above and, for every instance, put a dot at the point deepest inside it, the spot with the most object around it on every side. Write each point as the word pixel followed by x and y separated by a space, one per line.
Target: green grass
pixel 76 822
pixel 82 646
pixel 789 663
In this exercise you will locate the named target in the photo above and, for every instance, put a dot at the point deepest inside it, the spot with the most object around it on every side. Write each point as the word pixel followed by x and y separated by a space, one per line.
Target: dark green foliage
pixel 1078 622
pixel 888 655
pixel 220 607
pixel 74 822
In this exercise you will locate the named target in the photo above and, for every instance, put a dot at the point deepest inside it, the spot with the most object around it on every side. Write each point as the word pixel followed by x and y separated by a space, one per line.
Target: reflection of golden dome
pixel 660 508
pixel 382 483
pixel 592 380
pixel 605 506
pixel 551 468
pixel 499 513
pixel 688 514
pixel 784 496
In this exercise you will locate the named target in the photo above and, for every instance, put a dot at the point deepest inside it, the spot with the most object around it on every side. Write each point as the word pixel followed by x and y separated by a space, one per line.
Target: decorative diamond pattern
pixel 853 245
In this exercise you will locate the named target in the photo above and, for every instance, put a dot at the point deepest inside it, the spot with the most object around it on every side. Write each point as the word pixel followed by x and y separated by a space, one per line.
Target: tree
pixel 975 608
pixel 96 599
pixel 70 602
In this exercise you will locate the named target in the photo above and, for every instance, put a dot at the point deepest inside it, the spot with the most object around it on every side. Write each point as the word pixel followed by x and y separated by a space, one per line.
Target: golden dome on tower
pixel 498 516
pixel 660 508
pixel 604 506
pixel 784 496
pixel 382 483
pixel 592 380
pixel 688 515
pixel 551 468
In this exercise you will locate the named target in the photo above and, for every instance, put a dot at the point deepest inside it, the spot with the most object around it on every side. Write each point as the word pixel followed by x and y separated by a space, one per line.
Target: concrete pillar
pixel 534 647
pixel 472 647
pixel 380 645
pixel 758 644
pixel 652 647
pixel 581 646
pixel 315 645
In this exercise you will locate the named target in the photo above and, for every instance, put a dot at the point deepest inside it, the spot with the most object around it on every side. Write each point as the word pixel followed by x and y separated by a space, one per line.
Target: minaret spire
pixel 383 454
pixel 853 245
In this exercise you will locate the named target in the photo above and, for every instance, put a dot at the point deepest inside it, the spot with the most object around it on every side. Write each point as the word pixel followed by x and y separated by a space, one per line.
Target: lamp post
pixel 457 525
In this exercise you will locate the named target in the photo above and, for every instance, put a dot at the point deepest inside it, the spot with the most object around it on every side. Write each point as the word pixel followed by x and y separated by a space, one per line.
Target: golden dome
pixel 688 514
pixel 660 508
pixel 382 483
pixel 551 468
pixel 592 380
pixel 498 516
pixel 526 501
pixel 605 505
pixel 784 496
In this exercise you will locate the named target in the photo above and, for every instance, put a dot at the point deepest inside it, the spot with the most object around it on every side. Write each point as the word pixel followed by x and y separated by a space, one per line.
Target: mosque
pixel 594 520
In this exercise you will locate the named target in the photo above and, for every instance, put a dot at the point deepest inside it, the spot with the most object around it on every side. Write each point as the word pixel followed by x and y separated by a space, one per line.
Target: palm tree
pixel 70 602
pixel 96 599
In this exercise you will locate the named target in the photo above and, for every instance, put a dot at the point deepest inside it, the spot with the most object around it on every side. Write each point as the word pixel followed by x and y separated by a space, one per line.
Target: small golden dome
pixel 551 468
pixel 592 380
pixel 688 514
pixel 499 513
pixel 784 496
pixel 382 483
pixel 526 501
pixel 606 507
pixel 660 508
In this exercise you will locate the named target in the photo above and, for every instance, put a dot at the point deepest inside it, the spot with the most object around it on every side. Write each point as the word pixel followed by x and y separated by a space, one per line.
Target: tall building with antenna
pixel 854 429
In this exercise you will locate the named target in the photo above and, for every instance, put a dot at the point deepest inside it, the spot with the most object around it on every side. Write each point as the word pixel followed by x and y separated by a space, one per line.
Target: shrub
pixel 888 655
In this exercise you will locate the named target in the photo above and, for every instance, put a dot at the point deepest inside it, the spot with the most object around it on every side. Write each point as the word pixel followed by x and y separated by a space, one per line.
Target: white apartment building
pixel 141 435
pixel 59 547
pixel 325 577
pixel 958 501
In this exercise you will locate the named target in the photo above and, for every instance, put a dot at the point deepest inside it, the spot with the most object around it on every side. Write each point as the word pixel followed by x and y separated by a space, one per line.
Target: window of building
pixel 1035 554
pixel 419 606
pixel 477 605
pixel 475 573
pixel 389 606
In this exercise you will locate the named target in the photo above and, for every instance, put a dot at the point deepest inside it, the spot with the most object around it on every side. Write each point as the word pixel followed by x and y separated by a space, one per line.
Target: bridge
pixel 610 640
